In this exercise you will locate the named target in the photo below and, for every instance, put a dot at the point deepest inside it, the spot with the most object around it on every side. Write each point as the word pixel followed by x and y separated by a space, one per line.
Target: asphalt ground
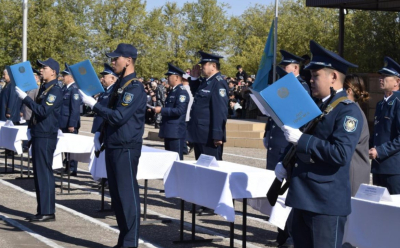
pixel 80 224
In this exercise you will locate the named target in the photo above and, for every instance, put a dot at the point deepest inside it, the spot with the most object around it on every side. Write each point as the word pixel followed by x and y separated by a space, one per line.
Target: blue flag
pixel 267 61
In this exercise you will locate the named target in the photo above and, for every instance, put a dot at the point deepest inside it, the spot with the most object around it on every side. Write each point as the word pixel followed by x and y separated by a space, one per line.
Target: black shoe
pixel 42 218
pixel 273 243
pixel 157 126
pixel 205 211
pixel 286 246
pixel 31 216
pixel 73 173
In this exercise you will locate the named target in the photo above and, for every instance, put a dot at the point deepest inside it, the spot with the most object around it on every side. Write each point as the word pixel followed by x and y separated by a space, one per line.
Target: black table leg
pixel 193 236
pixel 5 158
pixel 145 200
pixel 244 223
pixel 182 219
pixel 12 158
pixel 232 229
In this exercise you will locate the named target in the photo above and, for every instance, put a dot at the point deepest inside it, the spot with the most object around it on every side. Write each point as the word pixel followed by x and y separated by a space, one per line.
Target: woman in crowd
pixel 360 166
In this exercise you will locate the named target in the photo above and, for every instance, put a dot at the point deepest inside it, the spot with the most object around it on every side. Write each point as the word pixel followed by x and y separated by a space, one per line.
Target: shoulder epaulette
pixel 219 78
pixel 182 88
pixel 347 101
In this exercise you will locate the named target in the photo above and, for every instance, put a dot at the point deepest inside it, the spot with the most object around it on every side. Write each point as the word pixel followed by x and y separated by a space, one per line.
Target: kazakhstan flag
pixel 267 61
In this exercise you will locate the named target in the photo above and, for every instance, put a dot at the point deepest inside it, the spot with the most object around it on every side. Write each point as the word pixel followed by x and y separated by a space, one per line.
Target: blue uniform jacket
pixel 276 142
pixel 173 124
pixel 46 111
pixel 10 103
pixel 209 111
pixel 321 183
pixel 70 110
pixel 103 101
pixel 125 120
pixel 386 136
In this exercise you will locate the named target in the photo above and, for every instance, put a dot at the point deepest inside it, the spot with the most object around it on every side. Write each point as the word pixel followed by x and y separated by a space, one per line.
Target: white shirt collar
pixel 327 97
pixel 387 98
pixel 109 86
pixel 70 84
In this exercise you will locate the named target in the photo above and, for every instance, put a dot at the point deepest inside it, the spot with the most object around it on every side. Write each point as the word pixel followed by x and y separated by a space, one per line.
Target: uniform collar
pixel 69 85
pixel 52 82
pixel 110 86
pixel 208 79
pixel 387 98
pixel 327 97
pixel 128 77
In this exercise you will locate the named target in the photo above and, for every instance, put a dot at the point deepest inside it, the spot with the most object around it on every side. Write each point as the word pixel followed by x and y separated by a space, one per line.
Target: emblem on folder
pixel 283 92
pixel 21 69
pixel 82 70
pixel 350 124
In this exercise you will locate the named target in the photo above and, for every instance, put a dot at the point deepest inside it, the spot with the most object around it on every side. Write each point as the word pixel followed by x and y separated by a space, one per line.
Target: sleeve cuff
pixel 217 135
pixel 382 154
pixel 305 143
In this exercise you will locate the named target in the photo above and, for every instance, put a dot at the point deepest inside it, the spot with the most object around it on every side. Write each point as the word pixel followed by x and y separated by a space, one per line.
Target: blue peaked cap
pixel 173 70
pixel 108 70
pixel 208 57
pixel 66 71
pixel 391 67
pixel 289 58
pixel 323 58
pixel 123 50
pixel 50 62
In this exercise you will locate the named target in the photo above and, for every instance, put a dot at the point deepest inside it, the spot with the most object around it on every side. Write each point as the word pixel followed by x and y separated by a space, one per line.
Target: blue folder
pixel 288 102
pixel 22 75
pixel 86 78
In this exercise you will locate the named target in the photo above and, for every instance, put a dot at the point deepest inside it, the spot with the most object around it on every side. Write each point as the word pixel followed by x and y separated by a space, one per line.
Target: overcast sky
pixel 237 6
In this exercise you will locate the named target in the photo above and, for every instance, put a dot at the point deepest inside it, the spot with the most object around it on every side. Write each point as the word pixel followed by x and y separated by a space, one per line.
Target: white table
pixel 11 137
pixel 80 148
pixel 216 187
pixel 372 225
pixel 153 164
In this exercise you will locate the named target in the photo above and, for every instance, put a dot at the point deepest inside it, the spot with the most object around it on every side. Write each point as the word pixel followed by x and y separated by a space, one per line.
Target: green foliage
pixel 73 30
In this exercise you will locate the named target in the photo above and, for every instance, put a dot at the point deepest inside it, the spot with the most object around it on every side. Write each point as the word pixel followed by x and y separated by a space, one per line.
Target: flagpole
pixel 275 39
pixel 25 30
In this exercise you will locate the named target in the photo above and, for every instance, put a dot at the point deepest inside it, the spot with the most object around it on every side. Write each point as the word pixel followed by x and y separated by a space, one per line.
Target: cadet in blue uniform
pixel 123 133
pixel 108 80
pixel 70 118
pixel 206 128
pixel 43 129
pixel 11 105
pixel 173 124
pixel 320 192
pixel 385 140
